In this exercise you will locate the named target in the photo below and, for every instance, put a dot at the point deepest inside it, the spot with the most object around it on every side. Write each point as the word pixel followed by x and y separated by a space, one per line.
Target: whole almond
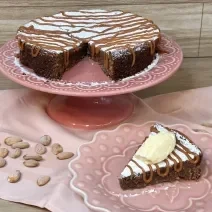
pixel 31 163
pixel 43 180
pixel 33 157
pixel 207 124
pixel 56 148
pixel 65 155
pixel 45 140
pixel 20 145
pixel 3 152
pixel 12 140
pixel 14 177
pixel 15 153
pixel 40 149
pixel 2 162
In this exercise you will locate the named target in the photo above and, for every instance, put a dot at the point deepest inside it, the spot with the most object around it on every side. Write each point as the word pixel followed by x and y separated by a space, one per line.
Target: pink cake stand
pixel 86 98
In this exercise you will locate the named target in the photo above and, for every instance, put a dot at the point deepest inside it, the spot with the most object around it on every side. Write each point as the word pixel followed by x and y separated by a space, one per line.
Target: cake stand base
pixel 90 113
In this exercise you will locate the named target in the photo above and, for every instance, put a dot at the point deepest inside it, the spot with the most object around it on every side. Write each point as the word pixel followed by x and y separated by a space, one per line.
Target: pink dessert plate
pixel 99 163
pixel 106 106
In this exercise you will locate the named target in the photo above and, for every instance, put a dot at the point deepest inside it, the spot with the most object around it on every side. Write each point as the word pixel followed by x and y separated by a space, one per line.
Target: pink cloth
pixel 22 113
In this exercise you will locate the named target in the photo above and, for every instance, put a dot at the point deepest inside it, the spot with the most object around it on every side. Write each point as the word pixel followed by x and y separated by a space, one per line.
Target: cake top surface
pixel 105 30
pixel 184 150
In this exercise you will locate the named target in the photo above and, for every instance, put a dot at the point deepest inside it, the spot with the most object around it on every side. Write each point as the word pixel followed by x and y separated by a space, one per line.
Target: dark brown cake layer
pixel 49 64
pixel 189 172
pixel 120 65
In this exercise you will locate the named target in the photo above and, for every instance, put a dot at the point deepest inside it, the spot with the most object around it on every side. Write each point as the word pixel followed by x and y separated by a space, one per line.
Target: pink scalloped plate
pixel 99 163
pixel 90 80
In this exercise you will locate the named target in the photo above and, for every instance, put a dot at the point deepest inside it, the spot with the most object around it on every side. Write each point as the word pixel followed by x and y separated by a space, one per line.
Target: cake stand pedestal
pixel 90 112
pixel 86 98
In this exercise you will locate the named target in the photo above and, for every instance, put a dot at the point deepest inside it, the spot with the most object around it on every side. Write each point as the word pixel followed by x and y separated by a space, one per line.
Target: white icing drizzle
pixel 183 140
pixel 120 29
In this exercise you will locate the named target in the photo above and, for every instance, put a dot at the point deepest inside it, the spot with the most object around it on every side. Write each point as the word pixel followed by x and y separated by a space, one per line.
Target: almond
pixel 43 180
pixel 65 155
pixel 45 140
pixel 33 157
pixel 12 140
pixel 20 145
pixel 3 152
pixel 56 148
pixel 207 124
pixel 14 177
pixel 2 162
pixel 15 153
pixel 40 149
pixel 31 163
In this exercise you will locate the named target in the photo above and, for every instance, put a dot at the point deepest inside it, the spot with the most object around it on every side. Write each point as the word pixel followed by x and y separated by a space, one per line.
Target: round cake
pixel 121 42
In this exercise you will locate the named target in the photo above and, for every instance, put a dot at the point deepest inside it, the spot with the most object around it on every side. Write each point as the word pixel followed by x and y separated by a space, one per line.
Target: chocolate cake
pixel 183 163
pixel 122 43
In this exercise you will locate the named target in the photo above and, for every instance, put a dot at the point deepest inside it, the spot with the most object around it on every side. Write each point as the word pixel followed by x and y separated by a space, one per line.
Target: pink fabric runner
pixel 22 113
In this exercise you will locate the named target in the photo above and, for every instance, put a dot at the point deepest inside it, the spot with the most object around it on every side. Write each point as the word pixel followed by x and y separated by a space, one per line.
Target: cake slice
pixel 183 162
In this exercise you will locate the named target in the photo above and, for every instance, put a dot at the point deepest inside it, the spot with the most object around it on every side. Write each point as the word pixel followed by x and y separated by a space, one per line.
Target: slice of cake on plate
pixel 165 156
